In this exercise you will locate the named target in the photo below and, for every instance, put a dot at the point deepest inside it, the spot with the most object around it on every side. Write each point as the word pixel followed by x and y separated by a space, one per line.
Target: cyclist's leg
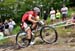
pixel 28 30
pixel 33 27
pixel 28 33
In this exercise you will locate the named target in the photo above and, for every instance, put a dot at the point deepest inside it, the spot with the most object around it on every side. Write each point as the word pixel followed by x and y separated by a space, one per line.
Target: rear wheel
pixel 48 34
pixel 21 39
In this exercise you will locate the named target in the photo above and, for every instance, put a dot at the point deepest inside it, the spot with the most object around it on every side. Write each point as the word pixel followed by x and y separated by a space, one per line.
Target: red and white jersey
pixel 52 12
pixel 64 10
pixel 27 14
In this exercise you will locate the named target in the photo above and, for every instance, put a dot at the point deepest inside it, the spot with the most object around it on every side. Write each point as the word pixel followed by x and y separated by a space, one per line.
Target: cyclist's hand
pixel 40 23
pixel 35 22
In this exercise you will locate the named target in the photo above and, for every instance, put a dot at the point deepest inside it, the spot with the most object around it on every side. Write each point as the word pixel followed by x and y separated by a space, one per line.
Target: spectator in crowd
pixel 11 25
pixel 64 11
pixel 45 16
pixel 52 15
pixel 1 30
pixel 58 15
pixel 6 30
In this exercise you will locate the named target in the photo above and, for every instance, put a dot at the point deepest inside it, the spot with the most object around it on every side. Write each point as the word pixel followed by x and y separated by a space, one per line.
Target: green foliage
pixel 2 42
pixel 16 30
pixel 16 8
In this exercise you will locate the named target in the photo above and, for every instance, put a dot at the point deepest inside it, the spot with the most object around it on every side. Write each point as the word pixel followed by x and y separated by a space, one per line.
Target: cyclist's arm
pixel 30 19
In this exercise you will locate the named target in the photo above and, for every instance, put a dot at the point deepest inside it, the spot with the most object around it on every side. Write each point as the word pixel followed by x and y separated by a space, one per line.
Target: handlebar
pixel 40 23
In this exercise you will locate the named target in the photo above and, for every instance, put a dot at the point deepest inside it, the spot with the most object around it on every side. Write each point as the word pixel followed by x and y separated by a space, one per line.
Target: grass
pixel 64 33
pixel 16 30
pixel 4 41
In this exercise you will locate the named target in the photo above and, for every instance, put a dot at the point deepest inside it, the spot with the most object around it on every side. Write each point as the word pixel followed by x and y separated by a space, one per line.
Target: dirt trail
pixel 43 47
pixel 60 45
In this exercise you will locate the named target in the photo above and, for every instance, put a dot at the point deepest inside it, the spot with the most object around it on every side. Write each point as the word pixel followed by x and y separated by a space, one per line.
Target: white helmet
pixel 36 9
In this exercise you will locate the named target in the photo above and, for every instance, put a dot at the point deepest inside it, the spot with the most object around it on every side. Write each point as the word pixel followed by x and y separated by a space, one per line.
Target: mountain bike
pixel 47 33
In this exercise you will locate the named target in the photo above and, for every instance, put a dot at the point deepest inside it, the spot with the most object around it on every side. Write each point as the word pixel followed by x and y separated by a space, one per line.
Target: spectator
pixel 64 11
pixel 52 15
pixel 45 16
pixel 6 30
pixel 58 15
pixel 11 25
pixel 1 30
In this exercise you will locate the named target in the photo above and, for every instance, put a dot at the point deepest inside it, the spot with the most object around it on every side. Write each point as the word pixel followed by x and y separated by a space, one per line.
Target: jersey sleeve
pixel 30 15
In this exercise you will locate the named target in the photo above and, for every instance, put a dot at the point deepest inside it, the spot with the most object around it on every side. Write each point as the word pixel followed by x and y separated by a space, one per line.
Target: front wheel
pixel 21 39
pixel 48 34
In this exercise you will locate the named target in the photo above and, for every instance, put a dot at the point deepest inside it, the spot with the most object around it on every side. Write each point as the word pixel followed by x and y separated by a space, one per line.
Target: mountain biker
pixel 30 17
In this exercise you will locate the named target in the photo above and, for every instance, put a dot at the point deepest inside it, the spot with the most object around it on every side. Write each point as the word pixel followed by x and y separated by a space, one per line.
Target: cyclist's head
pixel 36 9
